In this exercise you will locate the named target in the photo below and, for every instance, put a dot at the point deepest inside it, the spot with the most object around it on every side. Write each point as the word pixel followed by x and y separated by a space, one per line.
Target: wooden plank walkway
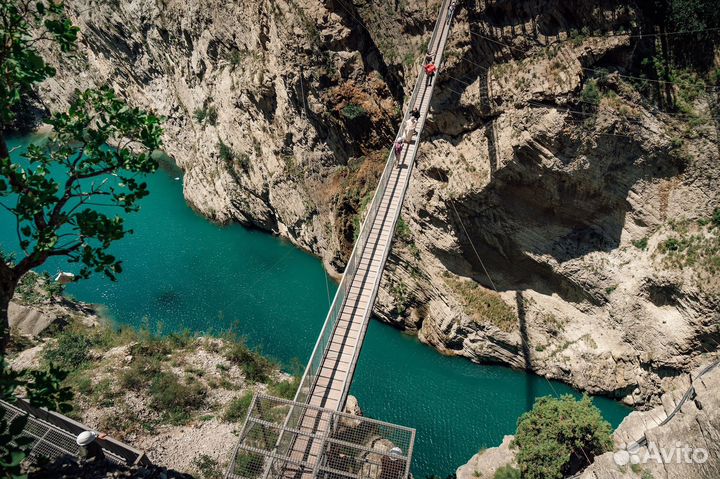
pixel 340 357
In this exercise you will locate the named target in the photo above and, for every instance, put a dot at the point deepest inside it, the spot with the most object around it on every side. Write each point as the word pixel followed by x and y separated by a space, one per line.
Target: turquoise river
pixel 183 272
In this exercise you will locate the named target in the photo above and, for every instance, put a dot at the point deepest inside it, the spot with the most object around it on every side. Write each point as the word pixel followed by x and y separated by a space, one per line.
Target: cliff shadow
pixel 530 391
pixel 531 217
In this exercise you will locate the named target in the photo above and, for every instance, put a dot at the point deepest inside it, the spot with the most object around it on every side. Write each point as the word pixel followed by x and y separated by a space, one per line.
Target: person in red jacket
pixel 430 70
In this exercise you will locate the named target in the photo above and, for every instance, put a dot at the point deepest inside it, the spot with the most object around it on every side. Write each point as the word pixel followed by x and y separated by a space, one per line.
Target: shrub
pixel 716 218
pixel 641 243
pixel 140 373
pixel 559 437
pixel 507 472
pixel 226 153
pixel 591 93
pixel 671 244
pixel 484 306
pixel 285 389
pixel 208 467
pixel 238 408
pixel 174 398
pixel 255 366
pixel 402 231
pixel 353 111
pixel 69 352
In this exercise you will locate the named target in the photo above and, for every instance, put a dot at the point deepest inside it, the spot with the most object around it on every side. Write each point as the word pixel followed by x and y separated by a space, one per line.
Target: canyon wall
pixel 556 220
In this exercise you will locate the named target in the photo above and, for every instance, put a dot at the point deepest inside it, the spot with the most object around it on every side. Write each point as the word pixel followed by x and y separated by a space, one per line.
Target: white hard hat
pixel 86 437
pixel 396 452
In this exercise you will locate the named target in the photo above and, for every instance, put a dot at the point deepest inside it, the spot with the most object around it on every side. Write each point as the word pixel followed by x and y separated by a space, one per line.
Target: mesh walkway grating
pixel 287 439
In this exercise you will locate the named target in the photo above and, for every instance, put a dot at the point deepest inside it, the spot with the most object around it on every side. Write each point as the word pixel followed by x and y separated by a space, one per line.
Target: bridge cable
pixel 327 285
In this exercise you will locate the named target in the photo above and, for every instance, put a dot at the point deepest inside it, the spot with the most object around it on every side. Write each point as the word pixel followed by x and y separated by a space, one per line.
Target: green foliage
pixel 226 153
pixel 507 472
pixel 255 366
pixel 352 111
pixel 208 467
pixel 484 306
pixel 69 352
pixel 693 15
pixel 672 244
pixel 140 373
pixel 229 156
pixel 402 231
pixel 43 389
pixel 238 408
pixel 59 214
pixel 591 93
pixel 285 389
pixel 14 446
pixel 715 220
pixel 23 26
pixel 174 398
pixel 696 246
pixel 560 436
pixel 248 464
pixel 641 243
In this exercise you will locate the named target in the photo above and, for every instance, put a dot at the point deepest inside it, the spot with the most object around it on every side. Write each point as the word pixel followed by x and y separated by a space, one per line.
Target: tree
pixel 560 437
pixel 62 195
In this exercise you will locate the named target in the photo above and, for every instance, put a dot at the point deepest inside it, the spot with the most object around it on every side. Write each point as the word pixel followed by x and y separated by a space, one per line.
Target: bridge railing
pixel 323 341
pixel 351 447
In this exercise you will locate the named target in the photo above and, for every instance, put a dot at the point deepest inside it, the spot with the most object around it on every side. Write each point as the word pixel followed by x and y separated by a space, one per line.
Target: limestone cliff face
pixel 281 114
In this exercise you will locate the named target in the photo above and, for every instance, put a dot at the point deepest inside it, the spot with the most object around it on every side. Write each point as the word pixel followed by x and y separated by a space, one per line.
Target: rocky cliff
pixel 557 219
pixel 686 446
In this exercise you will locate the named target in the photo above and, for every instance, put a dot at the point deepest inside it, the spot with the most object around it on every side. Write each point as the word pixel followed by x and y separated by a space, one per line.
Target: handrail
pixel 307 382
pixel 439 29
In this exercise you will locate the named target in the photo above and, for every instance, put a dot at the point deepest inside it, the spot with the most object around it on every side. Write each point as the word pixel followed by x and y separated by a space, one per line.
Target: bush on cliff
pixel 559 437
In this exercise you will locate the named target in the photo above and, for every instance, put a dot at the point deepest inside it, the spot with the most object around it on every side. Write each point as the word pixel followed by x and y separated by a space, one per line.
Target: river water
pixel 182 272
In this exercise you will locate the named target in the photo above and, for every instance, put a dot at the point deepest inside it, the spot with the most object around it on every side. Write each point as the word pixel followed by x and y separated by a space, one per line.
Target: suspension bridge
pixel 311 436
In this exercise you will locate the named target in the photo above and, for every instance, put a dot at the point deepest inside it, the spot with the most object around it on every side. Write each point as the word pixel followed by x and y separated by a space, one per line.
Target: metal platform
pixel 343 445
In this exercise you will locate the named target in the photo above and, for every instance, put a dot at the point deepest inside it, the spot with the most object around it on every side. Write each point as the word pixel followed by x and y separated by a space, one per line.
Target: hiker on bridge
pixel 410 129
pixel 398 146
pixel 451 10
pixel 430 70
pixel 90 449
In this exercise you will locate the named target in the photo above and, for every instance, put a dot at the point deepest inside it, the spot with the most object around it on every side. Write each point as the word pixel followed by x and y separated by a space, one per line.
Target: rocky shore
pixel 695 427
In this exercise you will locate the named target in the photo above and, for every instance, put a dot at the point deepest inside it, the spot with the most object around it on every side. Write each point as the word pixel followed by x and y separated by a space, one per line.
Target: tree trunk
pixel 4 153
pixel 7 285
pixel 7 289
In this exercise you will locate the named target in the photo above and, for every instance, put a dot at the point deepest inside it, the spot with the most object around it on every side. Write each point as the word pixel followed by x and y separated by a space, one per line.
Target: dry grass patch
pixel 484 306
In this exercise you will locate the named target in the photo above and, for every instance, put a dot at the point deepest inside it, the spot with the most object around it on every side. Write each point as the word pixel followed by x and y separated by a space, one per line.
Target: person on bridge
pixel 90 449
pixel 398 146
pixel 430 70
pixel 409 132
pixel 415 113
pixel 451 10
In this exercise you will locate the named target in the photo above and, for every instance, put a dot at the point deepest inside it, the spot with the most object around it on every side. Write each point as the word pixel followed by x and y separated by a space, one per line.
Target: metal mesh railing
pixel 317 442
pixel 50 442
